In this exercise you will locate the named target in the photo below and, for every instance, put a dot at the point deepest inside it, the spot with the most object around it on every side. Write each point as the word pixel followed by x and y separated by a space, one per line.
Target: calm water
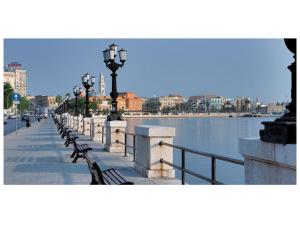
pixel 214 135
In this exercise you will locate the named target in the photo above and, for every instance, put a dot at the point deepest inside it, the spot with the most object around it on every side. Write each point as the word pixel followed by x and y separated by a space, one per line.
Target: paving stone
pixel 36 155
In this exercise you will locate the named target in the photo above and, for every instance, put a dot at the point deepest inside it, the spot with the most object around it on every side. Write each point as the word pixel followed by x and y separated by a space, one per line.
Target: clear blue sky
pixel 228 67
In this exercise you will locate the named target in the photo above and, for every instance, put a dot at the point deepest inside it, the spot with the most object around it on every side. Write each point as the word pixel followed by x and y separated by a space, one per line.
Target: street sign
pixel 16 97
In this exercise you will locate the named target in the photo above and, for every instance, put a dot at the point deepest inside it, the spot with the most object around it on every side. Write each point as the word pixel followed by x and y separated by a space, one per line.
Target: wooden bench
pixel 80 150
pixel 106 177
pixel 70 138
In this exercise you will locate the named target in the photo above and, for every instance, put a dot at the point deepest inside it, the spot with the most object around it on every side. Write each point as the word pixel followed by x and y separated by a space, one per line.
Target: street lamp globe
pixel 85 78
pixel 114 47
pixel 122 55
pixel 75 90
pixel 93 80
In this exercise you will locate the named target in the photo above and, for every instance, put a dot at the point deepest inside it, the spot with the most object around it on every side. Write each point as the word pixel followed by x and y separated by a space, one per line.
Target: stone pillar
pixel 97 129
pixel 71 121
pixel 75 123
pixel 68 119
pixel 80 124
pixel 112 136
pixel 268 163
pixel 87 126
pixel 148 152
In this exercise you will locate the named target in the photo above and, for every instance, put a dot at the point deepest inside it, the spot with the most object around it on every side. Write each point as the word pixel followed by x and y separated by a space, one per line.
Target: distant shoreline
pixel 200 115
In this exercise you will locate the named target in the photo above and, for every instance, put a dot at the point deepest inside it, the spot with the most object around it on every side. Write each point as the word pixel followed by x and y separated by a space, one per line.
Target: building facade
pixel 45 101
pixel 16 77
pixel 242 104
pixel 129 101
pixel 216 103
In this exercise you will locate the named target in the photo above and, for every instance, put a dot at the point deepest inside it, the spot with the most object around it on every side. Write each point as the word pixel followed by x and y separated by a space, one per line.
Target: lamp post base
pixel 281 131
pixel 114 116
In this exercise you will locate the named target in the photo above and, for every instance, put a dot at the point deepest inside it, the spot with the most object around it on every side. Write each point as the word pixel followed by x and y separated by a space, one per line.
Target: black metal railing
pixel 125 143
pixel 214 157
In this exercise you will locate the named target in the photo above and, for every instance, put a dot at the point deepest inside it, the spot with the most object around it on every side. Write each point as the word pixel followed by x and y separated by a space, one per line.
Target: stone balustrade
pixel 268 163
pixel 97 129
pixel 112 135
pixel 86 130
pixel 148 152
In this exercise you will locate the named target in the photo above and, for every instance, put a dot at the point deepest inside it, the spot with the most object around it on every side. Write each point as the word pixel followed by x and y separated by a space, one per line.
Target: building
pixel 129 101
pixel 164 102
pixel 170 101
pixel 199 103
pixel 216 103
pixel 229 105
pixel 101 85
pixel 103 102
pixel 16 77
pixel 242 104
pixel 275 108
pixel 45 101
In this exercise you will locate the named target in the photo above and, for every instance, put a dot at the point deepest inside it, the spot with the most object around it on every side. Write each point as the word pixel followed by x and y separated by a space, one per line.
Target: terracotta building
pixel 129 101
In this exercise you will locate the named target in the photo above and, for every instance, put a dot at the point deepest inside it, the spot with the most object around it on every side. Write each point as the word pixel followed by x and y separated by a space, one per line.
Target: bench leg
pixel 73 154
pixel 75 159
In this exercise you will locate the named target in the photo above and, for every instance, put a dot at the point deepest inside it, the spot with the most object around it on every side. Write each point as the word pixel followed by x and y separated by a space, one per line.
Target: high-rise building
pixel 101 85
pixel 16 77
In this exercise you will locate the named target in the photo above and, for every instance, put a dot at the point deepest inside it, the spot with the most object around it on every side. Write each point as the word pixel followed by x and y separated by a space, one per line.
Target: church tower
pixel 101 85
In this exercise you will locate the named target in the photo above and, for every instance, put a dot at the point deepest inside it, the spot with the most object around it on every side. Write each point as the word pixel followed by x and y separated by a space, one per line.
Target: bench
pixel 70 138
pixel 80 150
pixel 106 177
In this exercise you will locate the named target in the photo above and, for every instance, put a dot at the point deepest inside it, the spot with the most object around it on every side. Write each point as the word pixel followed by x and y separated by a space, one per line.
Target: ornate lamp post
pixel 283 129
pixel 88 81
pixel 76 91
pixel 110 55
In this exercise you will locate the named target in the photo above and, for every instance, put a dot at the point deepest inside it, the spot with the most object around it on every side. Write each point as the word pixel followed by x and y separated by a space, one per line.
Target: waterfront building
pixel 152 104
pixel 216 103
pixel 242 104
pixel 16 76
pixel 273 108
pixel 200 103
pixel 45 101
pixel 101 85
pixel 228 105
pixel 170 101
pixel 129 101
pixel 102 102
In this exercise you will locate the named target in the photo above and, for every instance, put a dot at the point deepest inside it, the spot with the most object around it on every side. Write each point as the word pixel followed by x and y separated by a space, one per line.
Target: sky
pixel 159 67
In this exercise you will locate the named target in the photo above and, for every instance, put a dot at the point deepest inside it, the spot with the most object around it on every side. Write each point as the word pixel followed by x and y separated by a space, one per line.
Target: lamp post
pixel 76 91
pixel 283 129
pixel 110 55
pixel 88 81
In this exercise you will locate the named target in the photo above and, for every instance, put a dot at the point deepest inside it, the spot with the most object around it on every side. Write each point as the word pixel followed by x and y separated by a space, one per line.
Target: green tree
pixel 8 91
pixel 24 104
pixel 81 105
pixel 92 106
pixel 58 99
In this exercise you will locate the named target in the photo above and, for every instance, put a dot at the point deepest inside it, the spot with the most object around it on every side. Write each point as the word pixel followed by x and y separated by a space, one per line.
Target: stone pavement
pixel 36 155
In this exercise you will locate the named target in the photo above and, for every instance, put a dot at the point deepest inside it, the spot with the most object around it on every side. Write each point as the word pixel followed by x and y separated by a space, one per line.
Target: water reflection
pixel 214 135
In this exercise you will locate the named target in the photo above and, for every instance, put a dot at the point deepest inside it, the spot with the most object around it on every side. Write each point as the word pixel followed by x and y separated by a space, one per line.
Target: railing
pixel 213 157
pixel 101 132
pixel 125 142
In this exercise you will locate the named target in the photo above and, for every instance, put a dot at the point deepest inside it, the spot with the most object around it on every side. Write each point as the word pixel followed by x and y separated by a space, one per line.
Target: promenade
pixel 36 155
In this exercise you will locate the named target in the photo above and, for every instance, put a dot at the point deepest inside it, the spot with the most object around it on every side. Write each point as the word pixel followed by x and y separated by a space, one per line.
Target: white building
pixel 101 85
pixel 16 77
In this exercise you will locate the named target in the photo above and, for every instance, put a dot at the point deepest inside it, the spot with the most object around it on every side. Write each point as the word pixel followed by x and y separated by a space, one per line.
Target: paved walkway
pixel 36 155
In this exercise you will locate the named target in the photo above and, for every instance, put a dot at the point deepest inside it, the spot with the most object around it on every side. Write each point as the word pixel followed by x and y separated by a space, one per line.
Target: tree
pixel 23 105
pixel 92 106
pixel 8 91
pixel 58 99
pixel 81 105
